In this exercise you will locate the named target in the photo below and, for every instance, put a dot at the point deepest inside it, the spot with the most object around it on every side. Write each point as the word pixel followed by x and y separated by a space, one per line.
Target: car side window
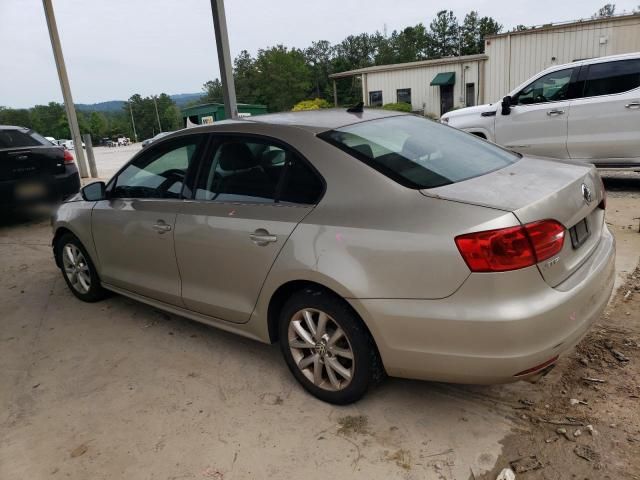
pixel 612 77
pixel 257 170
pixel 159 172
pixel 551 87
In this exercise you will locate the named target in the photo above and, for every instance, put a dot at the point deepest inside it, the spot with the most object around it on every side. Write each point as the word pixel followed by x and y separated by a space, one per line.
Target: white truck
pixel 586 110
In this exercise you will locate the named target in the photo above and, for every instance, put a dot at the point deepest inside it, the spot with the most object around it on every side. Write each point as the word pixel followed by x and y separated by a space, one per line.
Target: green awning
pixel 444 78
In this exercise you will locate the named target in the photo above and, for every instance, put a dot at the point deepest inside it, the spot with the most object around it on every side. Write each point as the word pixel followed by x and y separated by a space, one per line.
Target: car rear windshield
pixel 21 138
pixel 417 152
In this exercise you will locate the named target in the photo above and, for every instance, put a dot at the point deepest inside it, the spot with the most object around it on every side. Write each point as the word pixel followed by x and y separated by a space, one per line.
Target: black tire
pixel 95 291
pixel 367 367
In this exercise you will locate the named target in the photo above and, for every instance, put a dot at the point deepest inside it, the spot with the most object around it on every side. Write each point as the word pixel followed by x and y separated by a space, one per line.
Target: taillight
pixel 68 158
pixel 511 248
pixel 603 202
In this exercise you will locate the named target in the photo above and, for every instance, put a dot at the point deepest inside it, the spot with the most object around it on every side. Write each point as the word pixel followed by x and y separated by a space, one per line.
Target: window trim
pixel 572 82
pixel 213 143
pixel 202 143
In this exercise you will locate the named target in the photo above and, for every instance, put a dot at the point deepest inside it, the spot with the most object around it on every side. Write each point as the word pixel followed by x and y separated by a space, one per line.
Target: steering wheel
pixel 173 175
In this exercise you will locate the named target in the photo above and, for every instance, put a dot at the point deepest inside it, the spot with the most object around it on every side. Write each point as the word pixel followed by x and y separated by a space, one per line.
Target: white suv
pixel 587 110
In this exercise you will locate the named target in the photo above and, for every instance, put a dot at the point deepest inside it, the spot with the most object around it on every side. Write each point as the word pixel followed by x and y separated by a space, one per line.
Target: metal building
pixel 437 86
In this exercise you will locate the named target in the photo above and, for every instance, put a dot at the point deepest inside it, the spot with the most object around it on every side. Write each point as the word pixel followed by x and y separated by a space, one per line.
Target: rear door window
pixel 419 153
pixel 258 171
pixel 612 77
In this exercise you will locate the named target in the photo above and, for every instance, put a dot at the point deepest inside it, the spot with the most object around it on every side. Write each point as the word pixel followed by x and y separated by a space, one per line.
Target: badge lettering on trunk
pixel 586 194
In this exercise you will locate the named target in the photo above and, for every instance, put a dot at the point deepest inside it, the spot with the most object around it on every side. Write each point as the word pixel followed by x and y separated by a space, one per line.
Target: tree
pixel 318 57
pixel 212 91
pixel 444 35
pixel 486 26
pixel 98 126
pixel 470 34
pixel 283 77
pixel 244 74
pixel 607 10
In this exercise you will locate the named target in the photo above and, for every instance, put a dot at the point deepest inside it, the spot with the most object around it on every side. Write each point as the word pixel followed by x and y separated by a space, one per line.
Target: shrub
pixel 398 107
pixel 315 104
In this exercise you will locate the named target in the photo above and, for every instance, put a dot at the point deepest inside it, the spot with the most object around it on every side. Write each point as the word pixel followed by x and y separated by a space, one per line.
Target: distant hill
pixel 181 100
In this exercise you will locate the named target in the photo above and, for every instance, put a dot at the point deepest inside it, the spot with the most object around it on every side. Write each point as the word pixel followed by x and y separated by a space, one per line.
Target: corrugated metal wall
pixel 515 58
pixel 424 96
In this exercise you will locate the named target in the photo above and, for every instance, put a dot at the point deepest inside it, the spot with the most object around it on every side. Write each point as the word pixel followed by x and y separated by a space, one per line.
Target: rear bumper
pixel 56 188
pixel 494 326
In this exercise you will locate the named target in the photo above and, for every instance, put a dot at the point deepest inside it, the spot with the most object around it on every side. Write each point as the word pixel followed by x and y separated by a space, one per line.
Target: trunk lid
pixel 538 189
pixel 30 162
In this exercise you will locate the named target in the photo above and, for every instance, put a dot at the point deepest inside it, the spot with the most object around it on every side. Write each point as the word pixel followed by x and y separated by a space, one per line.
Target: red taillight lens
pixel 68 158
pixel 603 202
pixel 547 238
pixel 511 248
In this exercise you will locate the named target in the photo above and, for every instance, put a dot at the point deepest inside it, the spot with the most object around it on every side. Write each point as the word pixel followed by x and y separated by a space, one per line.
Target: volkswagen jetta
pixel 364 242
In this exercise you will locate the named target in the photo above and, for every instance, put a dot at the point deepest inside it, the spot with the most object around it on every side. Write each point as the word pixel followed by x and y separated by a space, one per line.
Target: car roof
pixel 12 127
pixel 323 119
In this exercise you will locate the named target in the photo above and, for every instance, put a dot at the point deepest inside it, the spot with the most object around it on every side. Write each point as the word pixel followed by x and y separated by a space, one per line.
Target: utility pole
pixel 157 116
pixel 64 85
pixel 224 58
pixel 133 123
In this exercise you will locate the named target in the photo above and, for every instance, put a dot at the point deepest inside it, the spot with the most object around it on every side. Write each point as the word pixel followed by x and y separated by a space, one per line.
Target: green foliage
pixel 315 104
pixel 398 107
pixel 152 115
pixel 607 10
pixel 445 31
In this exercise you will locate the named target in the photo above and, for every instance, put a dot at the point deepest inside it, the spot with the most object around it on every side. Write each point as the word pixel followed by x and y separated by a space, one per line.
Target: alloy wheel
pixel 320 349
pixel 76 268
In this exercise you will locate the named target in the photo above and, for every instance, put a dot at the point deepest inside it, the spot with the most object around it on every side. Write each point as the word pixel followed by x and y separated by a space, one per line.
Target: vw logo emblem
pixel 586 193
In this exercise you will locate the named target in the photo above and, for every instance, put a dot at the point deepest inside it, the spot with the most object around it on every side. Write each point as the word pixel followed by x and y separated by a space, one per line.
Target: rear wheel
pixel 78 270
pixel 327 348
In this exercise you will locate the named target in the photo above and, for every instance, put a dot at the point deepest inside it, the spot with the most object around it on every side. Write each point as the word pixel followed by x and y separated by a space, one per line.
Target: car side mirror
pixel 94 192
pixel 506 105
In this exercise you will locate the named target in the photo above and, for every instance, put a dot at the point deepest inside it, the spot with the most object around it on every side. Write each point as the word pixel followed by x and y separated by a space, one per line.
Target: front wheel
pixel 78 270
pixel 327 347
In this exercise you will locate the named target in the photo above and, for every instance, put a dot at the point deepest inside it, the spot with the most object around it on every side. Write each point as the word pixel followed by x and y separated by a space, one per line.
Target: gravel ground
pixel 118 389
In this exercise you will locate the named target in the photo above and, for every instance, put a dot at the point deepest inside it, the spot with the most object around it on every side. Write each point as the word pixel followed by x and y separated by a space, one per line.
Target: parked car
pixel 587 111
pixel 52 140
pixel 364 242
pixel 68 144
pixel 149 141
pixel 33 170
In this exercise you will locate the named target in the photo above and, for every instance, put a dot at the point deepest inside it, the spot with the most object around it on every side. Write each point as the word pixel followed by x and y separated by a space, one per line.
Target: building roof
pixel 566 24
pixel 409 65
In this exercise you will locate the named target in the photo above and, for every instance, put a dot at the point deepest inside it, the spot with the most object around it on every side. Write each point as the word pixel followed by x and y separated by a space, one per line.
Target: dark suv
pixel 34 170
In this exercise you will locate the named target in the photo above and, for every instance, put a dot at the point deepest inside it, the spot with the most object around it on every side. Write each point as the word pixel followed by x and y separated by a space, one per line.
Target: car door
pixel 604 124
pixel 249 196
pixel 537 123
pixel 133 228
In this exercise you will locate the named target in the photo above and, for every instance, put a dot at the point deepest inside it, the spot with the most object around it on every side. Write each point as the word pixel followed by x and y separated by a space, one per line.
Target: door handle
pixel 161 227
pixel 262 237
pixel 553 113
pixel 632 105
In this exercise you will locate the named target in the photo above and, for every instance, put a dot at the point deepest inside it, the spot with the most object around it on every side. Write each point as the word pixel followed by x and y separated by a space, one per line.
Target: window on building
pixel 612 77
pixel 552 87
pixel 253 170
pixel 375 98
pixel 471 94
pixel 403 95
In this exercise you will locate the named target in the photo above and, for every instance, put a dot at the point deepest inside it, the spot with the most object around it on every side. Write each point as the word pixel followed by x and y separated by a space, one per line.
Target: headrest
pixel 236 156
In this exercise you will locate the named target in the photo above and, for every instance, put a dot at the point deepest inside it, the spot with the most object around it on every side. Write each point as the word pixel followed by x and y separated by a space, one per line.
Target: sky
pixel 115 48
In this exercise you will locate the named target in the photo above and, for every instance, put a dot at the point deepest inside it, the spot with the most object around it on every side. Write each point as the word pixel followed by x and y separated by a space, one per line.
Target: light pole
pixel 157 116
pixel 224 57
pixel 64 85
pixel 133 123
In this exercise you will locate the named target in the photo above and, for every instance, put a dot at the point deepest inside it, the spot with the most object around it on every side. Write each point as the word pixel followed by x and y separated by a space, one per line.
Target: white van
pixel 587 110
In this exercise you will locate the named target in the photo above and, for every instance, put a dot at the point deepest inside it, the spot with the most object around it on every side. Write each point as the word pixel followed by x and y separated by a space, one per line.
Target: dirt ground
pixel 118 389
